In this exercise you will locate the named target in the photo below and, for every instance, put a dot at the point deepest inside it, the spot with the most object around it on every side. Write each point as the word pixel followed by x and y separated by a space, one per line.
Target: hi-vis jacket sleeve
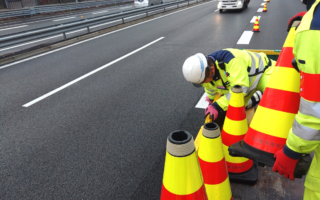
pixel 237 74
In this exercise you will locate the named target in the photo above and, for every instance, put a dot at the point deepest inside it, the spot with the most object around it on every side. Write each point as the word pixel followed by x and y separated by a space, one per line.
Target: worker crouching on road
pixel 304 136
pixel 223 69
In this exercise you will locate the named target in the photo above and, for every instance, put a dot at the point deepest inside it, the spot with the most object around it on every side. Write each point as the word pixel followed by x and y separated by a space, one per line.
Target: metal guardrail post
pixel 64 35
pixel 147 13
pixel 88 29
pixel 122 20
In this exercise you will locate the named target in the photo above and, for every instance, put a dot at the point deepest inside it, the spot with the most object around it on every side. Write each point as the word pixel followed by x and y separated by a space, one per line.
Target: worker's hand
pixel 284 165
pixel 208 100
pixel 297 17
pixel 211 110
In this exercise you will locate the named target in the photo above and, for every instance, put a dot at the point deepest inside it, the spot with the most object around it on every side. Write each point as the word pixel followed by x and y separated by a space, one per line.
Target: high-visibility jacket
pixel 304 136
pixel 236 67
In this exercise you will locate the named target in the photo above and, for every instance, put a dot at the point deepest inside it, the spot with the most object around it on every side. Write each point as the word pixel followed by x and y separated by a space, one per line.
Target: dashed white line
pixel 89 74
pixel 245 37
pixel 13 27
pixel 56 20
pixel 202 103
pixel 262 4
pixel 216 10
pixel 125 7
pixel 87 40
pixel 260 10
pixel 254 19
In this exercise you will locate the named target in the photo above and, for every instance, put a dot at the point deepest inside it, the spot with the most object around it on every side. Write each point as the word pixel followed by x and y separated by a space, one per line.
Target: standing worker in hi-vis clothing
pixel 223 69
pixel 304 136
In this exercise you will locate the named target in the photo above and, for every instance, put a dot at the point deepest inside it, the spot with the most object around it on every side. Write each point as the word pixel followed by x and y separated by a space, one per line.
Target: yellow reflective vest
pixel 304 136
pixel 236 67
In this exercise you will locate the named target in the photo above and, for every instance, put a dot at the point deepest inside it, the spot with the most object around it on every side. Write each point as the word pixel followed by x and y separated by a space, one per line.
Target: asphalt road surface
pixel 90 121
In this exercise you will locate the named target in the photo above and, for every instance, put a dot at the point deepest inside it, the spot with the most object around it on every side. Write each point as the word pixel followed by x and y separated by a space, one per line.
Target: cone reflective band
pixel 256 25
pixel 275 114
pixel 234 129
pixel 213 164
pixel 265 7
pixel 182 177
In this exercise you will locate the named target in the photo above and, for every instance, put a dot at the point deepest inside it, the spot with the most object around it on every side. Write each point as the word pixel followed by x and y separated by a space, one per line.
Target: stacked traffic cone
pixel 275 114
pixel 182 177
pixel 234 129
pixel 265 7
pixel 256 25
pixel 213 164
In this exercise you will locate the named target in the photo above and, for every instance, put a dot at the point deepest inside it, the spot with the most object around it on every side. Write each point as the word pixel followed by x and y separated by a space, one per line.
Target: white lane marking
pixel 260 10
pixel 216 10
pixel 245 37
pixel 105 23
pixel 84 29
pixel 89 74
pixel 262 4
pixel 100 12
pixel 253 20
pixel 48 38
pixel 202 103
pixel 56 20
pixel 71 45
pixel 13 27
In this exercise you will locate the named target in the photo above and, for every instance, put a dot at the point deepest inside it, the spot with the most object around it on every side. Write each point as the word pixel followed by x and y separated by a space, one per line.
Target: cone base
pixel 256 30
pixel 248 177
pixel 242 149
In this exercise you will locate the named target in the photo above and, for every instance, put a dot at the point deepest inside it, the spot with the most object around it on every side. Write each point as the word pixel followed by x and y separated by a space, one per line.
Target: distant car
pixel 232 4
pixel 145 3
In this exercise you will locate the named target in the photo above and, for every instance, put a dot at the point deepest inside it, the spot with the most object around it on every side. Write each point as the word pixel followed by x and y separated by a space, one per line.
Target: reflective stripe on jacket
pixel 304 137
pixel 236 67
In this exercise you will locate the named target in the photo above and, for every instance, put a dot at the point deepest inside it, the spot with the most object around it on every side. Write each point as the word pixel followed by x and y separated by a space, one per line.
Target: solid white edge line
pixel 56 20
pixel 62 48
pixel 88 74
pixel 202 103
pixel 245 37
pixel 30 42
pixel 13 27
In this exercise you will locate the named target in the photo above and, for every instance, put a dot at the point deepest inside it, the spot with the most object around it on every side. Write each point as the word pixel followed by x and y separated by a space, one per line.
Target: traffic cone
pixel 275 114
pixel 234 129
pixel 208 119
pixel 265 7
pixel 213 164
pixel 256 25
pixel 182 177
pixel 268 1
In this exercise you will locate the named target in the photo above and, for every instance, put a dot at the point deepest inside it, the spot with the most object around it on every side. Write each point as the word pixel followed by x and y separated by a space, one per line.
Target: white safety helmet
pixel 194 68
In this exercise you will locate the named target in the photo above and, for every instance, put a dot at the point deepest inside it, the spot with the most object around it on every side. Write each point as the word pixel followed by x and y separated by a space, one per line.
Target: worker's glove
pixel 212 110
pixel 284 164
pixel 255 99
pixel 297 17
pixel 208 100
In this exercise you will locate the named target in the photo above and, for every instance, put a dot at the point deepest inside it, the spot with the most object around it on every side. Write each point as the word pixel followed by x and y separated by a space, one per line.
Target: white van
pixel 145 3
pixel 232 4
